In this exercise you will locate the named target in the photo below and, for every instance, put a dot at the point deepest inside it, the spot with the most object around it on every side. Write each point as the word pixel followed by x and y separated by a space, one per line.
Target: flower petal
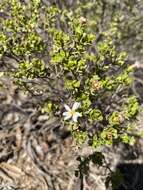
pixel 76 105
pixel 67 115
pixel 75 116
pixel 67 107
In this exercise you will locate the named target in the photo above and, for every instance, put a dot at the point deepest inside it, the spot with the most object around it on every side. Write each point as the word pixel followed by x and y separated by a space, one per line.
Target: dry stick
pixel 79 184
pixel 71 183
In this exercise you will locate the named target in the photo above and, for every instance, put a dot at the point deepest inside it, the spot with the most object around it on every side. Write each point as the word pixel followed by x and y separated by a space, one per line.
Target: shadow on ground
pixel 132 175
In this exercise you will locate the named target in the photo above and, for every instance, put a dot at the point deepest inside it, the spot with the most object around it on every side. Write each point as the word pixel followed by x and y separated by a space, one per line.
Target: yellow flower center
pixel 72 112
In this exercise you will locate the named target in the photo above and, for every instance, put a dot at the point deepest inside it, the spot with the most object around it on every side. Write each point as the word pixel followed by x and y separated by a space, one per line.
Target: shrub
pixel 87 82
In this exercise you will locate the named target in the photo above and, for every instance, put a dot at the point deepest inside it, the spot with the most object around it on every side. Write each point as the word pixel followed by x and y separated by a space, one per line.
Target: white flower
pixel 71 113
